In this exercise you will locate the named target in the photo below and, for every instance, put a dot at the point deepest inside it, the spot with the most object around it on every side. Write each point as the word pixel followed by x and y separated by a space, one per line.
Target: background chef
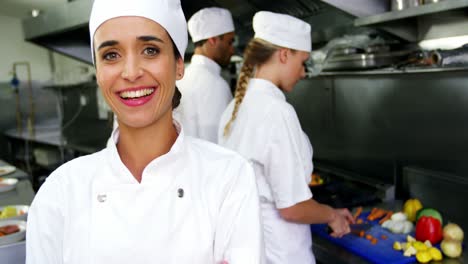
pixel 205 94
pixel 263 127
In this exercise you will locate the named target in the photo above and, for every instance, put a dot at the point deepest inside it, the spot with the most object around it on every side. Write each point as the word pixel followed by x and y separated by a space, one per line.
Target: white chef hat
pixel 167 13
pixel 282 30
pixel 210 22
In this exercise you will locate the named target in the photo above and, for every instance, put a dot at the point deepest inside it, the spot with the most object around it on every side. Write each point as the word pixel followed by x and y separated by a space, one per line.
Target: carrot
pixel 380 213
pixel 362 233
pixel 374 241
pixel 359 221
pixel 386 217
pixel 384 237
pixel 372 213
pixel 369 237
pixel 357 213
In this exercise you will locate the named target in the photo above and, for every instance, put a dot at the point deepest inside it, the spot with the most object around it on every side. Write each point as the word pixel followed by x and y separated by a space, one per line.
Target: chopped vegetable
pixel 410 251
pixel 397 246
pixel 423 256
pixel 8 211
pixel 399 216
pixel 376 215
pixel 362 233
pixel 435 254
pixel 357 213
pixel 387 216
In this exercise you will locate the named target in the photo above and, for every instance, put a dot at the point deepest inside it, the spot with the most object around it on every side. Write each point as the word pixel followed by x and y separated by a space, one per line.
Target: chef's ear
pixel 180 68
pixel 212 41
pixel 283 54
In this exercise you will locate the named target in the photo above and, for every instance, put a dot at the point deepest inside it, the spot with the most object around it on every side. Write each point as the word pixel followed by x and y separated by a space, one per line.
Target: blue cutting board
pixel 380 253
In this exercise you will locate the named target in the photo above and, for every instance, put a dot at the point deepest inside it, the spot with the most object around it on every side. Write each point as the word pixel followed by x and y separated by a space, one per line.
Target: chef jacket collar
pixel 265 86
pixel 121 171
pixel 210 64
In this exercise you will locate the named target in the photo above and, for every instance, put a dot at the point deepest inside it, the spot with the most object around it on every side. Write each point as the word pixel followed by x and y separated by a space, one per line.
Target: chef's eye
pixel 305 66
pixel 110 56
pixel 151 51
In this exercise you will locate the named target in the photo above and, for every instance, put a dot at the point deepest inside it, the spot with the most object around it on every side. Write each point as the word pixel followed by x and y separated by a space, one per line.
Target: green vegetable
pixel 429 212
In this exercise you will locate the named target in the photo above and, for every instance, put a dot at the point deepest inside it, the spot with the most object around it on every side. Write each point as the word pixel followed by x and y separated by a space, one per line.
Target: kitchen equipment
pixel 6 169
pixel 431 1
pixel 404 4
pixel 364 61
pixel 340 193
pixel 346 51
pixel 7 184
pixel 454 57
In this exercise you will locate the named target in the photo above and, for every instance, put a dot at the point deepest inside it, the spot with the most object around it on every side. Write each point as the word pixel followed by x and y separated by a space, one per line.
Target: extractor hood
pixel 64 28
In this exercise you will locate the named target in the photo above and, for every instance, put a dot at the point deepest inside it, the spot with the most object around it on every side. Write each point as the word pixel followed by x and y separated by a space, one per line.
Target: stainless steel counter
pixel 23 194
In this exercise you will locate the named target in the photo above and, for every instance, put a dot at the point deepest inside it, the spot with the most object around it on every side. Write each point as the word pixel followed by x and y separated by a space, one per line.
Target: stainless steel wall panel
pixel 370 124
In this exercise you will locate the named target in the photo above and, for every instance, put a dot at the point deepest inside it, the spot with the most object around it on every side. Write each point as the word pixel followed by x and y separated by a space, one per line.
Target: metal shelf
pixel 443 19
pixel 391 70
pixel 394 71
pixel 411 12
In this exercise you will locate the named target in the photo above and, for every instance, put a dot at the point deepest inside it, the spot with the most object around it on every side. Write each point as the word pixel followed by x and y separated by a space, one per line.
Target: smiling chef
pixel 154 195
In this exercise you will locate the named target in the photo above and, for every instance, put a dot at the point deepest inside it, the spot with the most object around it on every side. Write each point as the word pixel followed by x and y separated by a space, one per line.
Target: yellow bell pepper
pixel 410 208
pixel 423 256
pixel 435 253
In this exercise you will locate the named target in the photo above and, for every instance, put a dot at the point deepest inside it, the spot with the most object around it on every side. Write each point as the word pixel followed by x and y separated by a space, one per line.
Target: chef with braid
pixel 264 128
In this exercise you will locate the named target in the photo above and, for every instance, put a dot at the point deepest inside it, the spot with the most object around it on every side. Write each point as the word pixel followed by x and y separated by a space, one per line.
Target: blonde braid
pixel 256 53
pixel 241 88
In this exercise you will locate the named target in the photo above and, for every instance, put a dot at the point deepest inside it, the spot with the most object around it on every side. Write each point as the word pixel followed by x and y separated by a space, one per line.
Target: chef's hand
pixel 340 223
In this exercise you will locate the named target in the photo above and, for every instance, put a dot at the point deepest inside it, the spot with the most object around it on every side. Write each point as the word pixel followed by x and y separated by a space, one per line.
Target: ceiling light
pixel 35 12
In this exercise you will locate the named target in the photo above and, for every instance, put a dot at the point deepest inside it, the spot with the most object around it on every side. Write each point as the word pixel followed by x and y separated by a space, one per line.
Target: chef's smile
pixel 137 96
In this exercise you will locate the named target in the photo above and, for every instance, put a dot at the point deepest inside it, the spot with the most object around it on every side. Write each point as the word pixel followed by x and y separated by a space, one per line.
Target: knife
pixel 355 228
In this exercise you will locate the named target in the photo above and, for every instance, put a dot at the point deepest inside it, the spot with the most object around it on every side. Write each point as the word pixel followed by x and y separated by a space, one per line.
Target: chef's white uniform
pixel 268 133
pixel 205 95
pixel 196 204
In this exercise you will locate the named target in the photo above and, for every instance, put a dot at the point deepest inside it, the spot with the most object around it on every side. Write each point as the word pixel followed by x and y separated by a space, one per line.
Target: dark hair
pixel 177 95
pixel 199 43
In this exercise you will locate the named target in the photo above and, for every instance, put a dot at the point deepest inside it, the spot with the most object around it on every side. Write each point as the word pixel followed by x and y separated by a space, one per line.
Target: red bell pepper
pixel 429 228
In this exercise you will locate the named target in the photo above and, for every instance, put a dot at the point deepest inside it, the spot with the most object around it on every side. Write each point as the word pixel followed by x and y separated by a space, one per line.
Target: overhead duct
pixel 64 29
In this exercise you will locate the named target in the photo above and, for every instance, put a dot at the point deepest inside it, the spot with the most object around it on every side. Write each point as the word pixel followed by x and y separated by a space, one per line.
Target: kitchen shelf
pixel 414 24
pixel 393 71
pixel 411 12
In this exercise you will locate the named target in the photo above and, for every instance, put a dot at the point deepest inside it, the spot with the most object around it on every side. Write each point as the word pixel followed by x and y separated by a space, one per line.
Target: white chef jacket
pixel 205 95
pixel 268 133
pixel 196 204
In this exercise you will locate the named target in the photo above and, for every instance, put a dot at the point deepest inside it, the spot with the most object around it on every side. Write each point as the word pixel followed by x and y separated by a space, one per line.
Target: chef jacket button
pixel 180 192
pixel 101 198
